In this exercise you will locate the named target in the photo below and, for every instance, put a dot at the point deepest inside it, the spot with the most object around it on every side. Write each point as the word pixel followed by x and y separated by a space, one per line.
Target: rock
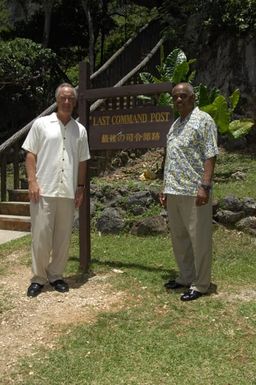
pixel 228 217
pixel 141 198
pixel 248 223
pixel 110 221
pixel 215 207
pixel 231 203
pixel 138 210
pixel 150 226
pixel 238 175
pixel 229 211
pixel 249 206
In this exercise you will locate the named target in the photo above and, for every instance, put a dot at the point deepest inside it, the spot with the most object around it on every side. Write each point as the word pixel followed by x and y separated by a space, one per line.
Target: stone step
pixel 14 208
pixel 14 222
pixel 18 195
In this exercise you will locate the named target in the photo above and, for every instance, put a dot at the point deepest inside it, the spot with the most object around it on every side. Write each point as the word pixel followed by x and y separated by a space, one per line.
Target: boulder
pixel 247 223
pixel 227 217
pixel 150 226
pixel 249 206
pixel 110 221
pixel 231 203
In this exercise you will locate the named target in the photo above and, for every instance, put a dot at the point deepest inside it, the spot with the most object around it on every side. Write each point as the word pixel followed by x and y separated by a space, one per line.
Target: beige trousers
pixel 51 227
pixel 191 234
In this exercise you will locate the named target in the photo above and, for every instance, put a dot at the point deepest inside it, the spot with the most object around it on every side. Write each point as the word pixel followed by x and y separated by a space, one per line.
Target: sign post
pixel 84 211
pixel 139 127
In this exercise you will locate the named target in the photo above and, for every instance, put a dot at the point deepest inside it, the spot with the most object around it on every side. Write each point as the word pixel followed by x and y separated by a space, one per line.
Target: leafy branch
pixel 175 68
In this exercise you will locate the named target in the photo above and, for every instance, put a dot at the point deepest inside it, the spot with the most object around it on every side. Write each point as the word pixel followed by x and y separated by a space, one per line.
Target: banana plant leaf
pixel 146 77
pixel 238 128
pixel 234 99
pixel 165 99
pixel 203 96
pixel 219 112
pixel 180 72
pixel 176 57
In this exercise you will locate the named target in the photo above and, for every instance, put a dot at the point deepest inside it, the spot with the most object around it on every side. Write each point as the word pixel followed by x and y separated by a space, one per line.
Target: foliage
pixel 127 18
pixel 73 74
pixel 221 109
pixel 114 21
pixel 175 68
pixel 26 64
pixel 28 77
pixel 234 15
pixel 4 17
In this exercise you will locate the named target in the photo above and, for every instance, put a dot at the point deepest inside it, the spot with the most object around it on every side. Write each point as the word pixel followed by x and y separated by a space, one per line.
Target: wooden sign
pixel 140 127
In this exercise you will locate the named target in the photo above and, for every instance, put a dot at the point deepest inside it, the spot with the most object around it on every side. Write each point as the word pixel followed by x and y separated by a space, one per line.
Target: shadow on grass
pixel 79 278
pixel 130 265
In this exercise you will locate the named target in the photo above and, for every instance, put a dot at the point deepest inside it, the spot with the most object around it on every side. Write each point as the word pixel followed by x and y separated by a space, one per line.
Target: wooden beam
pixel 131 90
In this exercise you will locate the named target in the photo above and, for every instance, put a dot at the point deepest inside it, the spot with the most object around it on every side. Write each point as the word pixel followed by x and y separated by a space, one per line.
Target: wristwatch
pixel 206 187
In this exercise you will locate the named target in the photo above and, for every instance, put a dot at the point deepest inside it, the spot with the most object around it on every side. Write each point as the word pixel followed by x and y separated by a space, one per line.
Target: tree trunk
pixel 48 5
pixel 86 8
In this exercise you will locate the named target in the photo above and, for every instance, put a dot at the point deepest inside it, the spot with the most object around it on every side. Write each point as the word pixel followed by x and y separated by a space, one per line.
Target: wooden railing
pixel 118 65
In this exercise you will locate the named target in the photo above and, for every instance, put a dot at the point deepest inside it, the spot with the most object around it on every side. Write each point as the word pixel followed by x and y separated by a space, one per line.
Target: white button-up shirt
pixel 59 150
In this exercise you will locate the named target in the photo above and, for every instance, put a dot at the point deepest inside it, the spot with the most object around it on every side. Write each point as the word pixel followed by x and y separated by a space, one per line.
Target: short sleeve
pixel 32 140
pixel 84 152
pixel 210 139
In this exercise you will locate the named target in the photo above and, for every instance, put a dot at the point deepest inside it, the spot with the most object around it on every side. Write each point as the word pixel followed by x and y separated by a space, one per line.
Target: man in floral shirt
pixel 189 166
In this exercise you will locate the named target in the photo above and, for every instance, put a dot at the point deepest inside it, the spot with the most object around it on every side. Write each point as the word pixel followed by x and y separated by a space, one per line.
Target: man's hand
pixel 202 197
pixel 79 196
pixel 33 191
pixel 162 199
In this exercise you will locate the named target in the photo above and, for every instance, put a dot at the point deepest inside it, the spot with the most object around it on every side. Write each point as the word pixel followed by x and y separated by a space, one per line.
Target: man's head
pixel 66 98
pixel 183 98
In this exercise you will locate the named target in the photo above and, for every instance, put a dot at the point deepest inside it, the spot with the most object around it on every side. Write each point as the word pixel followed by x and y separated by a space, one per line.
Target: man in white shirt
pixel 57 151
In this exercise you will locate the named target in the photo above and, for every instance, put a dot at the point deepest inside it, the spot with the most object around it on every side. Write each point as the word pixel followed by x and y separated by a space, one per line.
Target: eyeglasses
pixel 68 98
pixel 181 96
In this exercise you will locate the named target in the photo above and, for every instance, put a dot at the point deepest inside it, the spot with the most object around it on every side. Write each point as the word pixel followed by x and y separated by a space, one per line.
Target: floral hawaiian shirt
pixel 190 142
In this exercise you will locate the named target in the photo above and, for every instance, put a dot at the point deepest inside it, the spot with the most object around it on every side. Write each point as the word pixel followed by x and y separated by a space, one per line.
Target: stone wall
pixel 137 211
pixel 224 61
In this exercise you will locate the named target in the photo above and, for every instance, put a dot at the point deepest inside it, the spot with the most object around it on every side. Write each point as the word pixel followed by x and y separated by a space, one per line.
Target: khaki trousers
pixel 51 227
pixel 191 234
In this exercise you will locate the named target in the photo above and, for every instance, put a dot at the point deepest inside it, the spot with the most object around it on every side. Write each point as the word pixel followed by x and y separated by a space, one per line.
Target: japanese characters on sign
pixel 140 127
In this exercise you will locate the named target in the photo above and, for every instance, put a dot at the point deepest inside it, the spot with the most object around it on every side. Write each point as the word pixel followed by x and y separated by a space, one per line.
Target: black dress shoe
pixel 172 285
pixel 191 295
pixel 60 285
pixel 34 289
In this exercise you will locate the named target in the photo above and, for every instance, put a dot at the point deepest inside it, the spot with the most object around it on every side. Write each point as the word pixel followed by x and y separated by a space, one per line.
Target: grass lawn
pixel 155 339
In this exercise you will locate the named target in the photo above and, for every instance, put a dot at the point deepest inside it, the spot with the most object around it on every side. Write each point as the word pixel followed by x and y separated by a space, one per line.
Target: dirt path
pixel 28 323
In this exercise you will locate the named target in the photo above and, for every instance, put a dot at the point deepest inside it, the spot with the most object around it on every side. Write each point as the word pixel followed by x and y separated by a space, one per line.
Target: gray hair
pixel 188 85
pixel 63 85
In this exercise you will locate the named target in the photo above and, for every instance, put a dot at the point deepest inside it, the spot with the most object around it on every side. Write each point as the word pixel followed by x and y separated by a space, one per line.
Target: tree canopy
pixel 68 31
pixel 28 75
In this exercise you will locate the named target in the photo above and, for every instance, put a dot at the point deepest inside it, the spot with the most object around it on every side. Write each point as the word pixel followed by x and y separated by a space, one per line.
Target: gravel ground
pixel 28 323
